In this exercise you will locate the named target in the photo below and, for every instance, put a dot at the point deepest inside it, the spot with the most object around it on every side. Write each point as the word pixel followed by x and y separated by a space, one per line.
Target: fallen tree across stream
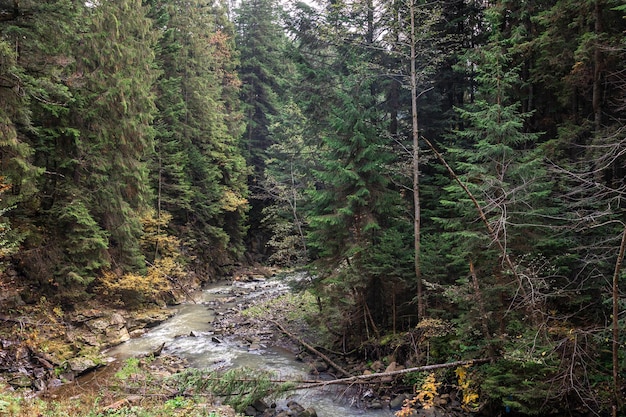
pixel 372 378
pixel 284 385
pixel 369 378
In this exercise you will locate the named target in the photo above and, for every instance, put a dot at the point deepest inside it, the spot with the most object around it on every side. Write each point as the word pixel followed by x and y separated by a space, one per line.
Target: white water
pixel 188 334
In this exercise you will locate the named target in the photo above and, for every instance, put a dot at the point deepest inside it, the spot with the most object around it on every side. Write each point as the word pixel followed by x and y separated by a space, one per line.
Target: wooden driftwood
pixel 373 378
pixel 370 378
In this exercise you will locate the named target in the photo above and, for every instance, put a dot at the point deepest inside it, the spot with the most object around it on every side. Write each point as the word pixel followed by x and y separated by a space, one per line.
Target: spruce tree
pixel 261 43
pixel 58 250
pixel 495 156
pixel 498 207
pixel 114 108
pixel 200 173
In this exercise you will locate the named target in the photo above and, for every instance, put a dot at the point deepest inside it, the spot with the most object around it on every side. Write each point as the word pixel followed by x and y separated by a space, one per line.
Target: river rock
pixel 391 367
pixel 20 381
pixel 147 319
pixel 260 405
pixel 296 408
pixel 375 405
pixel 396 403
pixel 98 325
pixel 54 383
pixel 11 299
pixel 80 365
pixel 115 336
pixel 377 366
pixel 309 412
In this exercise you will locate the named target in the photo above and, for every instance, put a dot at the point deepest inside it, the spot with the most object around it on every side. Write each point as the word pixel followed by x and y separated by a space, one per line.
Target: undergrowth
pixel 136 391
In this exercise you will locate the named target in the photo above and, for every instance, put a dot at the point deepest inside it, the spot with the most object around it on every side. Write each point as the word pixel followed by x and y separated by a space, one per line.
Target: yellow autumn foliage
pixel 470 396
pixel 134 289
pixel 424 396
pixel 232 201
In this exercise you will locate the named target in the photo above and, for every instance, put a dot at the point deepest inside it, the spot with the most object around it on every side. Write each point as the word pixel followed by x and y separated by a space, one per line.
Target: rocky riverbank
pixel 275 316
pixel 255 312
pixel 41 351
pixel 44 344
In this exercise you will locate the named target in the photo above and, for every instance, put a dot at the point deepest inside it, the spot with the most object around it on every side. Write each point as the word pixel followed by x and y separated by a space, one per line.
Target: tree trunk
pixel 481 310
pixel 598 68
pixel 615 342
pixel 416 170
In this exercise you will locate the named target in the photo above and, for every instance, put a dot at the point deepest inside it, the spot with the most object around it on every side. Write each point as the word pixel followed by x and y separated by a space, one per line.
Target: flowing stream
pixel 189 334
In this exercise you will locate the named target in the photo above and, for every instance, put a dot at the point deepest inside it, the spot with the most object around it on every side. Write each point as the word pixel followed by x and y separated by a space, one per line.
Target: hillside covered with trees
pixel 452 173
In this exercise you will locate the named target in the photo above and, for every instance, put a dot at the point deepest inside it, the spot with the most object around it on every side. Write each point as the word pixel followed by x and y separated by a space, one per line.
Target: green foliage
pixel 260 40
pixel 78 132
pixel 116 107
pixel 522 386
pixel 287 179
pixel 8 244
pixel 200 174
pixel 86 244
pixel 239 387
pixel 130 368
pixel 265 75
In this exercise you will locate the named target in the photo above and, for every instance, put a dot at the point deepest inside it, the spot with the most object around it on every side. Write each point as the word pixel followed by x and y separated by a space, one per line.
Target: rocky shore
pixel 249 313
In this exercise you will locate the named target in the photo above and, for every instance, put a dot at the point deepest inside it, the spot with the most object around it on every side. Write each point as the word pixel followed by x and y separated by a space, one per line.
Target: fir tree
pixel 498 209
pixel 354 204
pixel 261 43
pixel 200 176
pixel 495 155
pixel 114 109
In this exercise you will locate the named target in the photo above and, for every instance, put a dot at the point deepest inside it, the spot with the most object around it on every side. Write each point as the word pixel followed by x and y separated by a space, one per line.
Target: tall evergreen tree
pixel 355 206
pixel 39 137
pixel 200 176
pixel 356 216
pixel 287 179
pixel 261 43
pixel 496 157
pixel 504 208
pixel 114 109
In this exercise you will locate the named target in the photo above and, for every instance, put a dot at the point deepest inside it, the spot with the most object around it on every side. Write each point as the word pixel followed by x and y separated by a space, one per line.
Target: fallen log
pixel 371 378
pixel 359 379
pixel 312 349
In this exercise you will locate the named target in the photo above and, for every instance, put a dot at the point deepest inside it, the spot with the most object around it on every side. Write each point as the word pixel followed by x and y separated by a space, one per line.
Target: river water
pixel 189 334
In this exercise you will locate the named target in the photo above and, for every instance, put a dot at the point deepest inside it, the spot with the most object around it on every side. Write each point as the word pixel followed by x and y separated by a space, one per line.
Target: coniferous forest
pixel 452 173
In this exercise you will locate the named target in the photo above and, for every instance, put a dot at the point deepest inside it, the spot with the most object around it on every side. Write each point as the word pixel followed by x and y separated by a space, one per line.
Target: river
pixel 189 334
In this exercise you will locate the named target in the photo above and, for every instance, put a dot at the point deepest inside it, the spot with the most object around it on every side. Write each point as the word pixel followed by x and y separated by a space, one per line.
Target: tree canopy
pixel 454 169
